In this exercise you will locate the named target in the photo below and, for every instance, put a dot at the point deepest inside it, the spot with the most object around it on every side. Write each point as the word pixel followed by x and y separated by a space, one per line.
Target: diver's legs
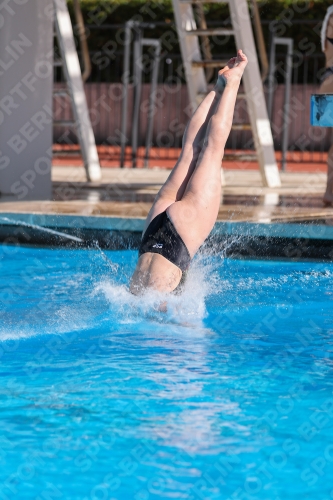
pixel 194 216
pixel 194 135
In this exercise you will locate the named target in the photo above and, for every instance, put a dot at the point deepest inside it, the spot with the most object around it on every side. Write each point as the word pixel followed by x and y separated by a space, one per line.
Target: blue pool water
pixel 228 395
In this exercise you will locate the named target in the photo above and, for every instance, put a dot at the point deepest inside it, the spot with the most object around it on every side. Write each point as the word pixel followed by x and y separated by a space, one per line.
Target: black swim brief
pixel 162 237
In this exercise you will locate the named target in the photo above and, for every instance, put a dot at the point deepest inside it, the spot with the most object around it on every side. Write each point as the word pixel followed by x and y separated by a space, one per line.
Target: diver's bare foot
pixel 233 71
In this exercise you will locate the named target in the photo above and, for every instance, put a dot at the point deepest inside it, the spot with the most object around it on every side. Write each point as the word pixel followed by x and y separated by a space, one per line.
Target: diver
pixel 186 207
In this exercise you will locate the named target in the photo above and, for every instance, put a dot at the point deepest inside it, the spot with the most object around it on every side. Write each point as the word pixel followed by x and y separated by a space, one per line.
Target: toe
pixel 232 61
pixel 241 56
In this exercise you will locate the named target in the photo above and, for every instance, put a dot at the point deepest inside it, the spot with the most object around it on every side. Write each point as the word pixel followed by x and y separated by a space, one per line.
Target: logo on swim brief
pixel 158 245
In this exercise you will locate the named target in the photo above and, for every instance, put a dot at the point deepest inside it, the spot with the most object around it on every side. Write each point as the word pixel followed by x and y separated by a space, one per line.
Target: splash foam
pixel 188 308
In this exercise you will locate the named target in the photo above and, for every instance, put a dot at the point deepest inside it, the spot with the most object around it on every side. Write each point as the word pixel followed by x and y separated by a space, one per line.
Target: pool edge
pixel 234 239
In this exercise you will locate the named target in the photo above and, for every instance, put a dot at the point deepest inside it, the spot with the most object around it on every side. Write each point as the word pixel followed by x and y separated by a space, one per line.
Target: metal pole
pixel 126 74
pixel 83 40
pixel 137 78
pixel 271 78
pixel 205 43
pixel 260 40
pixel 151 109
pixel 288 75
pixel 285 139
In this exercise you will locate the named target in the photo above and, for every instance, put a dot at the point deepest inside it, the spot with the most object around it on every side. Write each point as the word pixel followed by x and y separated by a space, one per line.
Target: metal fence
pixel 104 95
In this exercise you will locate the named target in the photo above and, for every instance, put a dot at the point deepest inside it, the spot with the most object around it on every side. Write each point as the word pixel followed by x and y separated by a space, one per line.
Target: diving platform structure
pixel 195 66
pixel 69 62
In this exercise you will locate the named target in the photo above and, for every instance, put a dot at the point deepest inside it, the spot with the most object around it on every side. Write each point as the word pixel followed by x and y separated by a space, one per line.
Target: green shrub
pixel 275 15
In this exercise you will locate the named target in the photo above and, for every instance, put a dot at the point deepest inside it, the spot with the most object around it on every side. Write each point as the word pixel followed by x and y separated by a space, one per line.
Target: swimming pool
pixel 226 396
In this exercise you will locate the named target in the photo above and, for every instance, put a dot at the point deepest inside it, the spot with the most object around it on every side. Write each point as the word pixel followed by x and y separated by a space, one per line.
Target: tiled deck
pixel 130 193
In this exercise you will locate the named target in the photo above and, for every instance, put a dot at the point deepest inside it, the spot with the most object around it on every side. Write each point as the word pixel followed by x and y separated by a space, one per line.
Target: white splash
pixel 187 309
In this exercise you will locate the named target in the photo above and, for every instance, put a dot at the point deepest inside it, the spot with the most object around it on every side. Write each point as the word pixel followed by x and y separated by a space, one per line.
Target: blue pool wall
pixel 287 240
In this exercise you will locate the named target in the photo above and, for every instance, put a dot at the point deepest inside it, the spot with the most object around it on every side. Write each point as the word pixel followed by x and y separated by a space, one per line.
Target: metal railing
pixel 107 61
pixel 105 86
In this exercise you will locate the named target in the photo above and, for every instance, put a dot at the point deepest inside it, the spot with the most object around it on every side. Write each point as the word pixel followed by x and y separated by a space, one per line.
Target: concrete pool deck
pixel 129 193
pixel 288 222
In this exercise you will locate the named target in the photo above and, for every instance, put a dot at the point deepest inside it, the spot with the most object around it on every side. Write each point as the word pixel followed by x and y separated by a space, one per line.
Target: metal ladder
pixel 69 61
pixel 194 67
